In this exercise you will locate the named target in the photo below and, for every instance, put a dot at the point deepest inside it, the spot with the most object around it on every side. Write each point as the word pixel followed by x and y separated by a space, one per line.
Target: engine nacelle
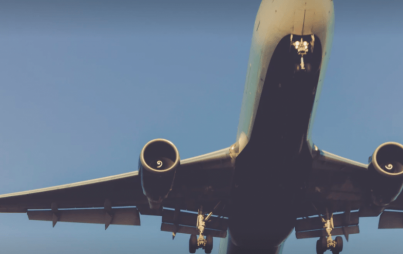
pixel 386 173
pixel 158 162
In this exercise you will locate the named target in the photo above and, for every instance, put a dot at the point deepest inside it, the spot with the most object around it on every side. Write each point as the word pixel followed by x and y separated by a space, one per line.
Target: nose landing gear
pixel 325 243
pixel 303 47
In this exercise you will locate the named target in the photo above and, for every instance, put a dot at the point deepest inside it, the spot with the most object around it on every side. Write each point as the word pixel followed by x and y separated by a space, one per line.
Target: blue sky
pixel 84 85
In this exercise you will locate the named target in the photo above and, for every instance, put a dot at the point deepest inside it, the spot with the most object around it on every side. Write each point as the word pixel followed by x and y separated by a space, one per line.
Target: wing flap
pixel 390 219
pixel 339 220
pixel 168 227
pixel 190 219
pixel 320 233
pixel 185 223
pixel 117 216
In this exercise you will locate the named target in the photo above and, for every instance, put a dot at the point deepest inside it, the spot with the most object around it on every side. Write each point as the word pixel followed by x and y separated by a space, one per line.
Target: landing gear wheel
pixel 319 249
pixel 209 244
pixel 339 244
pixel 323 241
pixel 192 243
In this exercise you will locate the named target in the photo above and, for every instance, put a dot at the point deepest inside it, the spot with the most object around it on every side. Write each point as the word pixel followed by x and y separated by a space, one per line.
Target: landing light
pixel 302 48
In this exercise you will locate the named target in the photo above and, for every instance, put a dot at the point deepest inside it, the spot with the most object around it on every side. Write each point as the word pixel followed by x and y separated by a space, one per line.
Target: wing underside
pixel 120 199
pixel 341 187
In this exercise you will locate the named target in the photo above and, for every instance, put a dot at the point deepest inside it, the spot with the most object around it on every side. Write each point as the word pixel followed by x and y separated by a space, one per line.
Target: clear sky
pixel 85 84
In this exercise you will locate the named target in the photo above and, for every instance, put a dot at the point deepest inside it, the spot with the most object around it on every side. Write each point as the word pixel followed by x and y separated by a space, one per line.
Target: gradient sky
pixel 85 84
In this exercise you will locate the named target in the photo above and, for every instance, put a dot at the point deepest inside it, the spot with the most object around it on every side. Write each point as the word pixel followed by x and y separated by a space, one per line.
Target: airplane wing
pixel 171 188
pixel 120 199
pixel 350 190
pixel 123 189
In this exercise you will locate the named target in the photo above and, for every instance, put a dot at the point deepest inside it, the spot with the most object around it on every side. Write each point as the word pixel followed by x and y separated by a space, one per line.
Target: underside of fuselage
pixel 270 169
pixel 288 94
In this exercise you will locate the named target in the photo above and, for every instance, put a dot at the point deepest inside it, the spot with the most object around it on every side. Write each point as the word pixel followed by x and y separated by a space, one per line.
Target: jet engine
pixel 386 173
pixel 158 162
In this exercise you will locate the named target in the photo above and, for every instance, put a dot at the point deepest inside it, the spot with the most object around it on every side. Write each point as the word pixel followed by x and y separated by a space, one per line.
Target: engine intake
pixel 158 162
pixel 386 173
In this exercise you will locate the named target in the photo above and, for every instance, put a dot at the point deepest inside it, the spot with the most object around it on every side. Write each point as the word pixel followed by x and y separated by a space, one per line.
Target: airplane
pixel 216 190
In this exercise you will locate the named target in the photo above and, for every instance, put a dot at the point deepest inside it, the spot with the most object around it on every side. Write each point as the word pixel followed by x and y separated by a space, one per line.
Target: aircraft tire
pixel 209 244
pixel 323 241
pixel 192 243
pixel 339 242
pixel 319 249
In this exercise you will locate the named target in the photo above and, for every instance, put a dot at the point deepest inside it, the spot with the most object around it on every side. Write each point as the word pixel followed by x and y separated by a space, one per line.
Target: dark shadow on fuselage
pixel 270 169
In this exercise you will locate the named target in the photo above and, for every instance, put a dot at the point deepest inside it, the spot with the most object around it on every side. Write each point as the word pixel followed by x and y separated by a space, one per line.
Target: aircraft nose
pixel 296 16
pixel 311 16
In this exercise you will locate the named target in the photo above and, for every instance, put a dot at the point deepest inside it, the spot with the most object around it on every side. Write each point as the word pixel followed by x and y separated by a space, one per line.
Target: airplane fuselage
pixel 273 141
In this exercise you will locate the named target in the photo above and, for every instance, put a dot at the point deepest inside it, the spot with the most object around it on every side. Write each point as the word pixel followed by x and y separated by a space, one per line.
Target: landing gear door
pixel 299 21
pixel 304 21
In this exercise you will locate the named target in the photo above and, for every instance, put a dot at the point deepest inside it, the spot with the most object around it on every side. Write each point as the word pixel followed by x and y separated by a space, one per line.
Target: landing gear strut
pixel 199 241
pixel 303 47
pixel 326 242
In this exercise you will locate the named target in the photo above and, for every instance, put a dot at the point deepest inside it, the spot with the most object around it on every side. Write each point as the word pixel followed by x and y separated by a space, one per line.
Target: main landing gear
pixel 325 243
pixel 199 241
